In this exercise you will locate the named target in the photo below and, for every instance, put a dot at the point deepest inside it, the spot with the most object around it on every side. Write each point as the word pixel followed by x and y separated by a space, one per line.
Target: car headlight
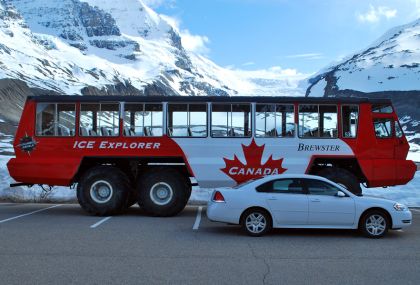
pixel 400 207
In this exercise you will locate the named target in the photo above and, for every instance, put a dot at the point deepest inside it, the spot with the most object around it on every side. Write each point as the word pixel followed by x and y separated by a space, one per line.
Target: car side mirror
pixel 340 194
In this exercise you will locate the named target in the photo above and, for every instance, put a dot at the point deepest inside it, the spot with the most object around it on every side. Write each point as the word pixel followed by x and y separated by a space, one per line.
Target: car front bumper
pixel 401 219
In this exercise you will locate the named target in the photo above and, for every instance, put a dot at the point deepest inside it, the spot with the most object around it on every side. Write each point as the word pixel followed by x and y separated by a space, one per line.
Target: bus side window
pixel 178 120
pixel 308 121
pixel 350 120
pixel 328 121
pixel 66 119
pixel 99 119
pixel 231 120
pixel 398 131
pixel 274 120
pixel 108 119
pixel 55 119
pixel 318 121
pixel 187 120
pixel 143 120
pixel 153 120
pixel 197 120
pixel 133 119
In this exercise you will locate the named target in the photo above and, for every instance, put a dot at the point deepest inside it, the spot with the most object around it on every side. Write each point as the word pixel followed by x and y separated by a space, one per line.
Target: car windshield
pixel 245 183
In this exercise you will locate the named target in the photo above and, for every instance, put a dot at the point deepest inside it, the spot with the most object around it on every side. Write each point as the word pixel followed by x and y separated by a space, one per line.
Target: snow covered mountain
pixel 390 67
pixel 107 47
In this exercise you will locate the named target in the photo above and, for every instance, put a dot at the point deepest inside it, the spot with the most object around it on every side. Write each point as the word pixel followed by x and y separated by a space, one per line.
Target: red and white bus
pixel 125 149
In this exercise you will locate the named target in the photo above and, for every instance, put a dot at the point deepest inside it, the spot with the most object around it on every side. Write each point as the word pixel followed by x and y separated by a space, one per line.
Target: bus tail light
pixel 218 197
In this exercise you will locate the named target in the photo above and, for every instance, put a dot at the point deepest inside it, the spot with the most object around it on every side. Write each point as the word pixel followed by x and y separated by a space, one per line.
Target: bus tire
pixel 342 177
pixel 103 190
pixel 163 192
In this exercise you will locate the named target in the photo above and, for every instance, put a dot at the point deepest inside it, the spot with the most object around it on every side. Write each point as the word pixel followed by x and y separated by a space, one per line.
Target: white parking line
pixel 198 218
pixel 27 214
pixel 100 222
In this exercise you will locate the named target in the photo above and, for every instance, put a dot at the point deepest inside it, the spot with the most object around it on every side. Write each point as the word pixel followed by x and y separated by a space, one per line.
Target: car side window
pixel 316 187
pixel 285 186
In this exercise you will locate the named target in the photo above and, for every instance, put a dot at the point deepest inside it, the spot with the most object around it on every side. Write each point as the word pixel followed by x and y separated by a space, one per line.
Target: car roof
pixel 281 176
pixel 285 176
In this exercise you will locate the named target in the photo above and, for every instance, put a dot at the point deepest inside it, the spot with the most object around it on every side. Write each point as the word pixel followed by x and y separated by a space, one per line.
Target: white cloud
pixel 191 42
pixel 248 63
pixel 158 3
pixel 417 7
pixel 307 56
pixel 375 14
pixel 194 43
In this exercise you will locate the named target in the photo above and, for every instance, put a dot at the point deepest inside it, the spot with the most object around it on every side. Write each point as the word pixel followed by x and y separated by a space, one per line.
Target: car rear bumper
pixel 402 219
pixel 221 212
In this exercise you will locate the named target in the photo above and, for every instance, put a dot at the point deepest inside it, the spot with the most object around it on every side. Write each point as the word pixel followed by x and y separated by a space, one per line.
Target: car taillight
pixel 218 197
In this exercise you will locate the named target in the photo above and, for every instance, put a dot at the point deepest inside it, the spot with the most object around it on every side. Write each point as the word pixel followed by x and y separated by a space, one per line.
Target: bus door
pixel 401 144
pixel 384 167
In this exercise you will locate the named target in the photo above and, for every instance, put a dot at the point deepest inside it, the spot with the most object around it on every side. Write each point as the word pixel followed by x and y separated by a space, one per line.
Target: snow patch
pixel 318 90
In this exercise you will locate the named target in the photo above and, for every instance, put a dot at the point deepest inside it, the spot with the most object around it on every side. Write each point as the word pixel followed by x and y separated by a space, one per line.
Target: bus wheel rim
pixel 161 193
pixel 101 191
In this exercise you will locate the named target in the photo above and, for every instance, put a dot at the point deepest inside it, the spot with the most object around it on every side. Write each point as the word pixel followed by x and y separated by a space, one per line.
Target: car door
pixel 287 201
pixel 326 208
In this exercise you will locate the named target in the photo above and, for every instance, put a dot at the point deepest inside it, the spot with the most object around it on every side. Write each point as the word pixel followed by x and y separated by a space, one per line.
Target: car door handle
pixel 272 198
pixel 315 200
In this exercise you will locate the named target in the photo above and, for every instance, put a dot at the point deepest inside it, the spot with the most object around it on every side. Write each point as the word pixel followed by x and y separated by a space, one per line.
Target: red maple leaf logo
pixel 253 168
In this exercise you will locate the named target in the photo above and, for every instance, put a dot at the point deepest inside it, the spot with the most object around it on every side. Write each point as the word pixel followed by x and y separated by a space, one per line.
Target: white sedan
pixel 304 201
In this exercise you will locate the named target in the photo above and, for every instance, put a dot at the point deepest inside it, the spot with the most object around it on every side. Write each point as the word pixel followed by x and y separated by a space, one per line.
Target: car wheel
pixel 103 190
pixel 342 177
pixel 256 222
pixel 374 224
pixel 163 192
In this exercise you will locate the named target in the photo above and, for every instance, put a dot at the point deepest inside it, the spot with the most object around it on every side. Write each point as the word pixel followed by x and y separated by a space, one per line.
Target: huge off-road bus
pixel 120 150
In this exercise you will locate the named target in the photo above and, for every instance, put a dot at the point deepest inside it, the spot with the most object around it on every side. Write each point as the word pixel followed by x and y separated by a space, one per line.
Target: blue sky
pixel 305 35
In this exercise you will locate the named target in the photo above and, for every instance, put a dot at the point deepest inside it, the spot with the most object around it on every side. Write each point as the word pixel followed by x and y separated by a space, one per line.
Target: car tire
pixel 103 190
pixel 163 192
pixel 256 222
pixel 374 224
pixel 342 177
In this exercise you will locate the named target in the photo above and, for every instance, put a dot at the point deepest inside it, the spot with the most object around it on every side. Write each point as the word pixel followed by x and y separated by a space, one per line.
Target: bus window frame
pixel 254 132
pixel 101 102
pixel 188 108
pixel 164 126
pixel 316 138
pixel 76 127
pixel 251 123
pixel 342 122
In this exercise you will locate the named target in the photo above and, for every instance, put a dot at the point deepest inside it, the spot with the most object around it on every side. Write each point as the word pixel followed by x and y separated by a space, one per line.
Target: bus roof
pixel 192 99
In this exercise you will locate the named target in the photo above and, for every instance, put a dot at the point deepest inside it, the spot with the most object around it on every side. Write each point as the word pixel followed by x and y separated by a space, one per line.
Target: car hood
pixel 376 200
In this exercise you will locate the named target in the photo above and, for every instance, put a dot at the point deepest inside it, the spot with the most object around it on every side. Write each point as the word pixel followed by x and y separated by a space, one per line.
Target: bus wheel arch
pixel 344 171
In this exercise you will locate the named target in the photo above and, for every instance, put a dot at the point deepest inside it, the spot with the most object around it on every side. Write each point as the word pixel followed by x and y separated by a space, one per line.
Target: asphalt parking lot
pixel 60 244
